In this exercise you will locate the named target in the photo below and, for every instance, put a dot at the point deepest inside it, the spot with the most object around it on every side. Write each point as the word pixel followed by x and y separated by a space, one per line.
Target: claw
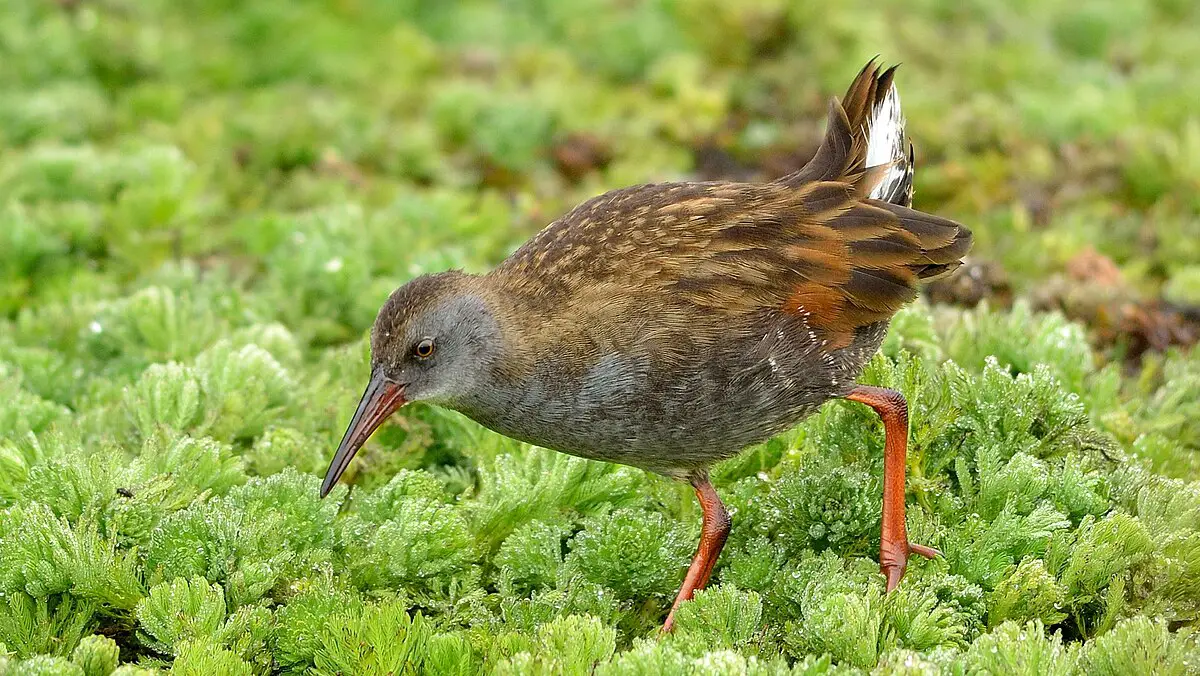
pixel 893 559
pixel 893 573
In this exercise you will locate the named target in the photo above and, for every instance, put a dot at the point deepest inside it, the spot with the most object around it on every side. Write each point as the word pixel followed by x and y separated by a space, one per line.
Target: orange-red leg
pixel 712 538
pixel 894 546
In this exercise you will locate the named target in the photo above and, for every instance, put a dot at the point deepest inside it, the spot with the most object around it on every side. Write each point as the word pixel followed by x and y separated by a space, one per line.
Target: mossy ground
pixel 202 205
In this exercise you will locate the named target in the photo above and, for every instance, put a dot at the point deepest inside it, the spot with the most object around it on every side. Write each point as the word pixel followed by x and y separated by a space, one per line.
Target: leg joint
pixel 887 403
pixel 722 523
pixel 717 521
pixel 897 404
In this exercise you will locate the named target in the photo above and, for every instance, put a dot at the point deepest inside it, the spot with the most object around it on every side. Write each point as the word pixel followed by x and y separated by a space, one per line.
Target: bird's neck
pixel 520 330
pixel 531 340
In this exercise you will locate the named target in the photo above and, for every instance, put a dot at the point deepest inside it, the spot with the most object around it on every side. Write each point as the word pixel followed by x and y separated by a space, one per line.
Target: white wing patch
pixel 885 144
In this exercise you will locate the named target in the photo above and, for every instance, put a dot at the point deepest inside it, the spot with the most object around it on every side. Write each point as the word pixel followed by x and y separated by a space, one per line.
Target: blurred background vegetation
pixel 204 203
pixel 137 133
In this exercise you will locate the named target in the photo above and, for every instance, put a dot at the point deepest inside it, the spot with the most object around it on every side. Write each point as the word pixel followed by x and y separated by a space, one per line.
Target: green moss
pixel 380 638
pixel 424 546
pixel 532 556
pixel 52 625
pixel 200 656
pixel 1015 649
pixel 1139 645
pixel 720 618
pixel 633 552
pixel 96 655
pixel 179 610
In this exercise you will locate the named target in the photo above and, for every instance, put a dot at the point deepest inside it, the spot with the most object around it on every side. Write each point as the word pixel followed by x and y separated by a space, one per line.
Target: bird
pixel 669 326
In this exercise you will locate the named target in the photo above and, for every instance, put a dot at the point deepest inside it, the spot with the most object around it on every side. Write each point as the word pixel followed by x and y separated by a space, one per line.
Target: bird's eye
pixel 424 348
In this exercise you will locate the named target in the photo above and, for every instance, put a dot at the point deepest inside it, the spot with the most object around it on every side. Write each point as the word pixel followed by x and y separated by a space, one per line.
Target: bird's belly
pixel 628 412
pixel 668 435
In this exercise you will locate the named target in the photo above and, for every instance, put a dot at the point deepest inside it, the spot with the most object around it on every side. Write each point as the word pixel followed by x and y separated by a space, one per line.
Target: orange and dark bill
pixel 381 399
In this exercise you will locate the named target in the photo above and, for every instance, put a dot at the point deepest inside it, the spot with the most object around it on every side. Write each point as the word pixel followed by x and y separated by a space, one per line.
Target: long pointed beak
pixel 381 399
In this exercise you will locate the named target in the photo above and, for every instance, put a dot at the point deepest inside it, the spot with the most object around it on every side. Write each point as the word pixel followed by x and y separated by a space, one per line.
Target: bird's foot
pixel 893 559
pixel 669 625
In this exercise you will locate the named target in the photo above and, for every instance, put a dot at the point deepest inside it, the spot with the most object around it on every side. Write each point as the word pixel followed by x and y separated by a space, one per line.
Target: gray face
pixel 438 353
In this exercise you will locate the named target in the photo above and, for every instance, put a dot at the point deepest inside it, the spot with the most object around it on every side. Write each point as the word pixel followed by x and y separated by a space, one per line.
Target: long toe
pixel 922 550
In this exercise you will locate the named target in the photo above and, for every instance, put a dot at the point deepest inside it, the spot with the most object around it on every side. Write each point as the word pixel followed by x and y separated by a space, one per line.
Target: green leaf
pixel 96 655
pixel 378 639
pixel 180 610
pixel 1020 650
pixel 635 553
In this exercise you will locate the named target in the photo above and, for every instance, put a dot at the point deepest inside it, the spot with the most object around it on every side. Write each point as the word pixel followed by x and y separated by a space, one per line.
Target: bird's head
pixel 435 340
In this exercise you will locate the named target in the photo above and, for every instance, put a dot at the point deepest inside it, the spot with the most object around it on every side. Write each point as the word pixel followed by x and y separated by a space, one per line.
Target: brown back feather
pixel 889 246
pixel 809 243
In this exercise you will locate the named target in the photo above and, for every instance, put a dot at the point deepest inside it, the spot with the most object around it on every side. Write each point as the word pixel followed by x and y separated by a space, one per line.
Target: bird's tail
pixel 865 148
pixel 865 132
pixel 872 105
pixel 882 122
pixel 876 134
